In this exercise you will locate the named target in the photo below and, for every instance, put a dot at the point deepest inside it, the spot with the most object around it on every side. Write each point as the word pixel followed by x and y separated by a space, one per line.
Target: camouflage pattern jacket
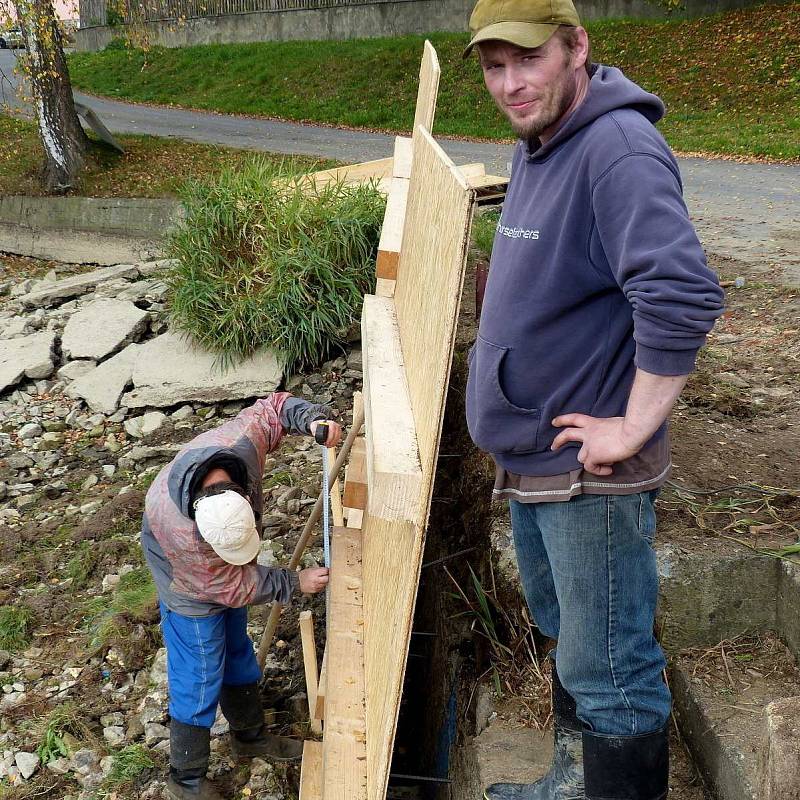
pixel 190 577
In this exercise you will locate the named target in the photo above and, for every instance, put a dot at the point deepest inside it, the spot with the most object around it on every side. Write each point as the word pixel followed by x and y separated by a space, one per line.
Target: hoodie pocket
pixel 495 423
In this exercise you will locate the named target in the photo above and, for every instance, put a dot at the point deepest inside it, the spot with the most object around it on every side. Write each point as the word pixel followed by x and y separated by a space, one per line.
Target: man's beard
pixel 554 107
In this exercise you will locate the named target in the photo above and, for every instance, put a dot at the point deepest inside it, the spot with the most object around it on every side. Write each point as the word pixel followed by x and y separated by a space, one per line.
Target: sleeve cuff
pixel 665 362
pixel 294 581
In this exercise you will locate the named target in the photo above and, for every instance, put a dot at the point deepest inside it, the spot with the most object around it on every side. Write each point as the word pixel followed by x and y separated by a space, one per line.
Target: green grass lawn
pixel 731 82
pixel 150 167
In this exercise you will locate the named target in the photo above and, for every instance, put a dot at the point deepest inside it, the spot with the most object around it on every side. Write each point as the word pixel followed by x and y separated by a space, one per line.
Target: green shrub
pixel 264 260
pixel 127 764
pixel 15 627
pixel 62 720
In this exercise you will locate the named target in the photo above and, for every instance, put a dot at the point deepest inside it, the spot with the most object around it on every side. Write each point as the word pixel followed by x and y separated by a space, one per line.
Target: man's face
pixel 533 88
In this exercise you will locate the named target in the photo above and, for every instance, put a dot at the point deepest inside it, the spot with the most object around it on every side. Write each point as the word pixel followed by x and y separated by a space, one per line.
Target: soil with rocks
pixel 83 708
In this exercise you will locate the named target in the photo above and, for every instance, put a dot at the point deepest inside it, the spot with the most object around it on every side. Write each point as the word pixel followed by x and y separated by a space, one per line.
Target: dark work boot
pixel 626 767
pixel 241 706
pixel 564 781
pixel 189 749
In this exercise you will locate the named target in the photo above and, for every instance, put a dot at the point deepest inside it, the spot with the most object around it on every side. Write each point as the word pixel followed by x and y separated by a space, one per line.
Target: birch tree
pixel 64 141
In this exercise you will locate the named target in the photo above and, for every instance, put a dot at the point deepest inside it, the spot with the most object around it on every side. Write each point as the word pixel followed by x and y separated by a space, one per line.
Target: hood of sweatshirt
pixel 609 90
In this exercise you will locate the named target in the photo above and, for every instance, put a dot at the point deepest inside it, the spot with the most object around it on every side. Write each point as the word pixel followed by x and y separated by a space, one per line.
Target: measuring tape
pixel 321 436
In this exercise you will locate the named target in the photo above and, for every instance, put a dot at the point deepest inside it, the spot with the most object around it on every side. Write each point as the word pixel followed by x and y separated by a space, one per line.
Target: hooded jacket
pixel 596 269
pixel 190 577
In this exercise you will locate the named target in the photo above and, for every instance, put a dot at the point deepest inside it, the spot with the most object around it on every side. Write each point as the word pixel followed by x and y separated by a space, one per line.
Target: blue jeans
pixel 589 574
pixel 203 653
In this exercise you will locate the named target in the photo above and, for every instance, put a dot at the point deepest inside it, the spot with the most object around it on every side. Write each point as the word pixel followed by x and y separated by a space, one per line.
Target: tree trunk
pixel 65 143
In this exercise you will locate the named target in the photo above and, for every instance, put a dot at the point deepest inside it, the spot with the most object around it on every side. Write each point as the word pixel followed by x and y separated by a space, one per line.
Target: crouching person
pixel 201 535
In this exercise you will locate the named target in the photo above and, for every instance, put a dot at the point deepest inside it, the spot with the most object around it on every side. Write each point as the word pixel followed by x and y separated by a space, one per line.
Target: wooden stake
pixel 319 710
pixel 336 494
pixel 310 664
pixel 311 771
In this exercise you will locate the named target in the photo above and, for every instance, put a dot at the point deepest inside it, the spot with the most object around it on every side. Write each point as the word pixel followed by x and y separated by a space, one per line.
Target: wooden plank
pixel 394 476
pixel 319 708
pixel 392 229
pixel 429 73
pixel 355 481
pixel 336 494
pixel 485 181
pixel 384 287
pixel 311 771
pixel 351 173
pixel 344 745
pixel 402 157
pixel 310 666
pixel 474 170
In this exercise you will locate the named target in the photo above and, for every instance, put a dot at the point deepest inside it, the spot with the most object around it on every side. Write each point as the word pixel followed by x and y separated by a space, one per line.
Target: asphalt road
pixel 747 212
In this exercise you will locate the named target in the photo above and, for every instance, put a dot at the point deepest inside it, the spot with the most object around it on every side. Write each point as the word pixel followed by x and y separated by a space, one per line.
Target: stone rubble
pixel 73 446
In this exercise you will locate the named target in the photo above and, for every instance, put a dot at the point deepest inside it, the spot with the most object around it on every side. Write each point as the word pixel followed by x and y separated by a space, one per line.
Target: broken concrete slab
pixel 171 371
pixel 779 762
pixel 50 293
pixel 30 356
pixel 102 327
pixel 103 386
pixel 75 369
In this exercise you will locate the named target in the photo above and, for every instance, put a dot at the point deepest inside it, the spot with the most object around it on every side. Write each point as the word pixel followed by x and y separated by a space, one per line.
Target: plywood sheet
pixel 429 74
pixel 428 287
pixel 344 746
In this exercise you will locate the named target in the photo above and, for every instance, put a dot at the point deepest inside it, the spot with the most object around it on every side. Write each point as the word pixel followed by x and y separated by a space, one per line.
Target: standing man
pixel 597 302
pixel 201 535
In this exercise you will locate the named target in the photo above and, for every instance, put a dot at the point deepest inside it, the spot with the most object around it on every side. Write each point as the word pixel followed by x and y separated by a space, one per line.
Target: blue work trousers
pixel 203 653
pixel 588 570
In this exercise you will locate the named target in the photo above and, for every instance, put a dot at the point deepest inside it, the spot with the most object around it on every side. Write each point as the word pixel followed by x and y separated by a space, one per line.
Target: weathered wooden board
pixel 310 666
pixel 344 746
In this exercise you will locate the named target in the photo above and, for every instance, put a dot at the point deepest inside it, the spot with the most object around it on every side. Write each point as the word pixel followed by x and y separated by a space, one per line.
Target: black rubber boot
pixel 627 767
pixel 564 781
pixel 189 749
pixel 241 706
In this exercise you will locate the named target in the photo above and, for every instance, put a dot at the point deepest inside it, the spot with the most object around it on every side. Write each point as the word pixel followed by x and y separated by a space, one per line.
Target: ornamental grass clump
pixel 265 258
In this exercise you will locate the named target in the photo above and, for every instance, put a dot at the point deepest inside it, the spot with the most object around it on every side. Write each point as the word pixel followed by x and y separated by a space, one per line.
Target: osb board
pixel 344 756
pixel 429 73
pixel 428 287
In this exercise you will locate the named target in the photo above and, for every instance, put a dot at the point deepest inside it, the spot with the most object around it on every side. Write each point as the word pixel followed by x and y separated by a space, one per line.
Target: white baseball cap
pixel 226 521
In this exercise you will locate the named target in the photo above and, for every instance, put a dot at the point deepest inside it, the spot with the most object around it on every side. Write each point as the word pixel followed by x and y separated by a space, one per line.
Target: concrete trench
pixel 739 732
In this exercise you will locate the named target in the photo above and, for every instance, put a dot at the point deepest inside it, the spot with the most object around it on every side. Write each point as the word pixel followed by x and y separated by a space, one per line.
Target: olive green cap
pixel 525 23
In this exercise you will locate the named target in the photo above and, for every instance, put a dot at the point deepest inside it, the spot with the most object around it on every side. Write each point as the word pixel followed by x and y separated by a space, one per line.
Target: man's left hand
pixel 605 440
pixel 334 431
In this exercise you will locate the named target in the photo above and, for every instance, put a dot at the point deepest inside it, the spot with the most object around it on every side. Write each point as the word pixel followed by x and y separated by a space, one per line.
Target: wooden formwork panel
pixel 408 343
pixel 428 287
pixel 344 746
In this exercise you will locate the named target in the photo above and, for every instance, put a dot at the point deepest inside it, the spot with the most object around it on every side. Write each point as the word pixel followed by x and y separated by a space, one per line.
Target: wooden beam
pixel 392 229
pixel 310 665
pixel 319 708
pixel 355 476
pixel 351 173
pixel 394 475
pixel 402 157
pixel 344 745
pixel 429 73
pixel 311 771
